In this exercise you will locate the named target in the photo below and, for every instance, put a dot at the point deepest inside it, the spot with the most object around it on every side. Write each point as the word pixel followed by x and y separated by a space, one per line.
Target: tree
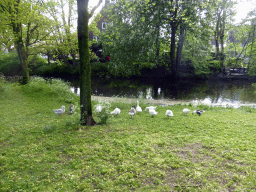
pixel 126 41
pixel 223 11
pixel 62 43
pixel 28 26
pixel 143 29
pixel 84 57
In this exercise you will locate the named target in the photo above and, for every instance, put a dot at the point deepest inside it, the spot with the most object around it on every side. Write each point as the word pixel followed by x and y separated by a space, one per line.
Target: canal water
pixel 223 92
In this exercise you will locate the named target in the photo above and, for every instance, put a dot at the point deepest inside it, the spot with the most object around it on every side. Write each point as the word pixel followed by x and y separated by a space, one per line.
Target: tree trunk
pixel 23 57
pixel 19 45
pixel 75 64
pixel 217 39
pixel 180 46
pixel 172 50
pixel 252 44
pixel 222 34
pixel 24 62
pixel 158 26
pixel 85 66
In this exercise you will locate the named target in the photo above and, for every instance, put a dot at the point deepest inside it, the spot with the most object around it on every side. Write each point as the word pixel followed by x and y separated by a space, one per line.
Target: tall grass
pixel 56 88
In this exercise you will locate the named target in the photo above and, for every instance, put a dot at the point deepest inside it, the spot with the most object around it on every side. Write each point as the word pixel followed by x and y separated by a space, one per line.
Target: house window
pixel 104 25
pixel 95 37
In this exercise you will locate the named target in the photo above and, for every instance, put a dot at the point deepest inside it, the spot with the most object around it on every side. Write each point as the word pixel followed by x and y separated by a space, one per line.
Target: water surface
pixel 197 91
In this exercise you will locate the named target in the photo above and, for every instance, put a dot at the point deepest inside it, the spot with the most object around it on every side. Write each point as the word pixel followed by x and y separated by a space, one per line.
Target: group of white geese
pixel 132 111
pixel 151 109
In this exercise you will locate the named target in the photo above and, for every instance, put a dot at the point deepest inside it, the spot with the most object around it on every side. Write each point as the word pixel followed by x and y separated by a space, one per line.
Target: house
pixel 103 23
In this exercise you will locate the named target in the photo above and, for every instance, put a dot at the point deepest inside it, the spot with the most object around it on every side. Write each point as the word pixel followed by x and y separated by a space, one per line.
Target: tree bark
pixel 19 44
pixel 180 46
pixel 85 66
pixel 172 50
pixel 173 24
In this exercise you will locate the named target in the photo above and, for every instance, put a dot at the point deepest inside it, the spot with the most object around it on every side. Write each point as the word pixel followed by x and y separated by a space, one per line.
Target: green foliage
pixel 35 63
pixel 197 50
pixel 56 88
pixel 100 69
pixel 2 81
pixel 10 64
pixel 54 69
pixel 252 70
pixel 104 111
pixel 215 64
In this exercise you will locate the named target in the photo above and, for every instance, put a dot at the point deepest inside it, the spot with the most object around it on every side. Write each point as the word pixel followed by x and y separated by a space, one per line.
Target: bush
pixel 102 113
pixel 56 88
pixel 234 62
pixel 99 69
pixel 10 64
pixel 54 69
pixel 1 81
pixel 252 70
pixel 35 62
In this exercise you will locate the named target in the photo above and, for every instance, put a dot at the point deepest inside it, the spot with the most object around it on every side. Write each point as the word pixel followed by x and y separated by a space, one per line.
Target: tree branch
pixel 94 8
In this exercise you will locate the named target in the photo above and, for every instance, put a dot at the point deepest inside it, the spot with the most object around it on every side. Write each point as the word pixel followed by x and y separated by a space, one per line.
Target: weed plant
pixel 42 151
pixel 104 113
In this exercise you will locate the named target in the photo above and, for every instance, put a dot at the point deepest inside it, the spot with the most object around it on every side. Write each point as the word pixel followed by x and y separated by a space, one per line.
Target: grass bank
pixel 41 151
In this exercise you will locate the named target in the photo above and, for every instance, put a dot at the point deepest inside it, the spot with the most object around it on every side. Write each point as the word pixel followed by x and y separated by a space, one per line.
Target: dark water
pixel 205 91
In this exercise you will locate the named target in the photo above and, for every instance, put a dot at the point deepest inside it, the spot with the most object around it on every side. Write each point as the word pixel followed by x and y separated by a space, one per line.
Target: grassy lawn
pixel 41 151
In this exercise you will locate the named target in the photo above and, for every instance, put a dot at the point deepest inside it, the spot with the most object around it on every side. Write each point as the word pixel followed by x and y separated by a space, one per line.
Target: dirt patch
pixel 193 152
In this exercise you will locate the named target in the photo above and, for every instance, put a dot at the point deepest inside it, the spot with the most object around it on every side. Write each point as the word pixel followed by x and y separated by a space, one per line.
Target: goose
pixel 152 112
pixel 98 109
pixel 132 111
pixel 138 108
pixel 198 112
pixel 169 113
pixel 185 111
pixel 151 107
pixel 71 108
pixel 59 111
pixel 116 112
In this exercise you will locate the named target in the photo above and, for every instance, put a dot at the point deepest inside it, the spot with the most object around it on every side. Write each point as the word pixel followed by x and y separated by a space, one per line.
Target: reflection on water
pixel 232 92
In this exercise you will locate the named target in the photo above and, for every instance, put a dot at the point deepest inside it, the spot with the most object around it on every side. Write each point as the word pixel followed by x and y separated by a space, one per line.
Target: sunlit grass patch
pixel 55 88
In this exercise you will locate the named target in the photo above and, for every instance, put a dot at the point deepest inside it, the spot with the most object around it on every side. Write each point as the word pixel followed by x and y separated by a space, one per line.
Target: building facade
pixel 103 23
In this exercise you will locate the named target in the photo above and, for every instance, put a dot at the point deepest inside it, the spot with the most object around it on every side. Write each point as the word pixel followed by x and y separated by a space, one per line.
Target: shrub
pixel 252 70
pixel 99 69
pixel 10 64
pixel 1 81
pixel 104 113
pixel 35 62
pixel 52 87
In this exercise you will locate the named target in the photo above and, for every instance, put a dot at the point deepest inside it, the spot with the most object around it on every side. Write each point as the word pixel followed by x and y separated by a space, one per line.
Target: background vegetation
pixel 140 37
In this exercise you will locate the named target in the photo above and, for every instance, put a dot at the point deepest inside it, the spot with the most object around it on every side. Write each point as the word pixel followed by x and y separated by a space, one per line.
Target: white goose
pixel 98 109
pixel 186 111
pixel 116 112
pixel 132 111
pixel 59 111
pixel 151 107
pixel 152 112
pixel 169 113
pixel 138 108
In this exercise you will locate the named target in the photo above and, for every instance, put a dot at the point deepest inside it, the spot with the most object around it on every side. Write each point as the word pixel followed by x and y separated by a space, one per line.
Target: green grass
pixel 41 151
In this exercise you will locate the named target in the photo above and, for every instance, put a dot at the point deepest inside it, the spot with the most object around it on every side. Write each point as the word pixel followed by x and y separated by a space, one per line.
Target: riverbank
pixel 162 102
